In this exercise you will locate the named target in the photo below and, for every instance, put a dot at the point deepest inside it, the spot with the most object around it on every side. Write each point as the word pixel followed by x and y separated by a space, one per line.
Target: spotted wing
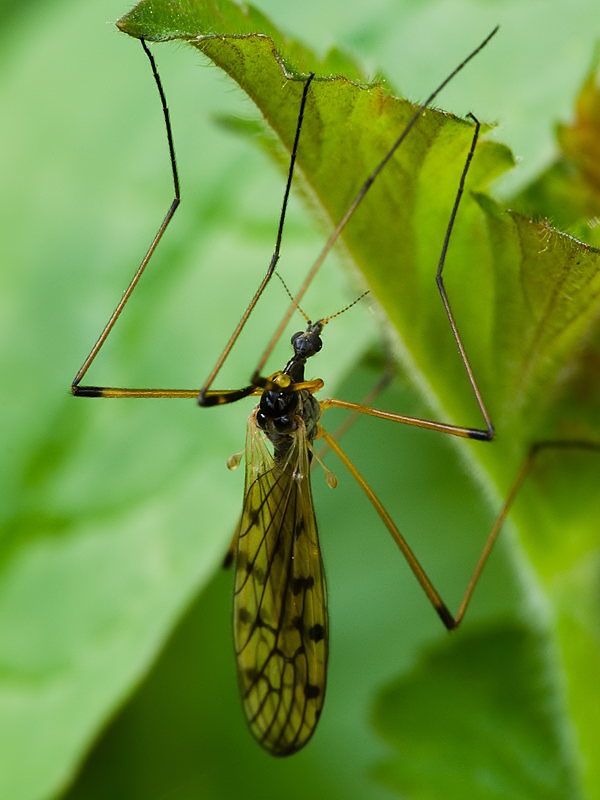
pixel 280 603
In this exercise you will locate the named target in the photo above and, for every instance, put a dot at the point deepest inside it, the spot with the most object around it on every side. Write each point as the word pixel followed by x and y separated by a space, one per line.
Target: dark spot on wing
pixel 316 633
pixel 302 584
pixel 311 691
pixel 244 616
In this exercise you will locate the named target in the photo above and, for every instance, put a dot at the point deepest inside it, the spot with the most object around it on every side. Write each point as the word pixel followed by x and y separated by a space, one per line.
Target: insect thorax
pixel 280 414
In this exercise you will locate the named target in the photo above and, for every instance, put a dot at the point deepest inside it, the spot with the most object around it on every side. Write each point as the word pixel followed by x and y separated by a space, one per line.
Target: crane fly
pixel 280 605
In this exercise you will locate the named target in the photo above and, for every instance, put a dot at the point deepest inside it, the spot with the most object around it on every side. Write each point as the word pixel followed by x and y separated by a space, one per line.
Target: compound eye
pixel 295 338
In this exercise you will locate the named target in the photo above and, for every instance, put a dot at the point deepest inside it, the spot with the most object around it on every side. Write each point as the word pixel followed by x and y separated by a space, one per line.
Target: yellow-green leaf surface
pixel 115 515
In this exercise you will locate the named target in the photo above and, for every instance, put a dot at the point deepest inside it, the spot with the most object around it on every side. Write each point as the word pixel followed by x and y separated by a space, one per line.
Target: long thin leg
pixel 217 397
pixel 204 395
pixel 384 381
pixel 441 427
pixel 481 434
pixel 94 391
pixel 450 620
pixel 442 289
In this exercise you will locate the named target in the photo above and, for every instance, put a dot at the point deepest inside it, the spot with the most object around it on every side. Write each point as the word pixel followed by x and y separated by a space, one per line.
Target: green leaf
pixel 471 737
pixel 525 296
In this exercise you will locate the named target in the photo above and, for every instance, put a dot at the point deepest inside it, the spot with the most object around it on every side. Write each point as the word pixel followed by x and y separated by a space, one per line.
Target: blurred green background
pixel 116 514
